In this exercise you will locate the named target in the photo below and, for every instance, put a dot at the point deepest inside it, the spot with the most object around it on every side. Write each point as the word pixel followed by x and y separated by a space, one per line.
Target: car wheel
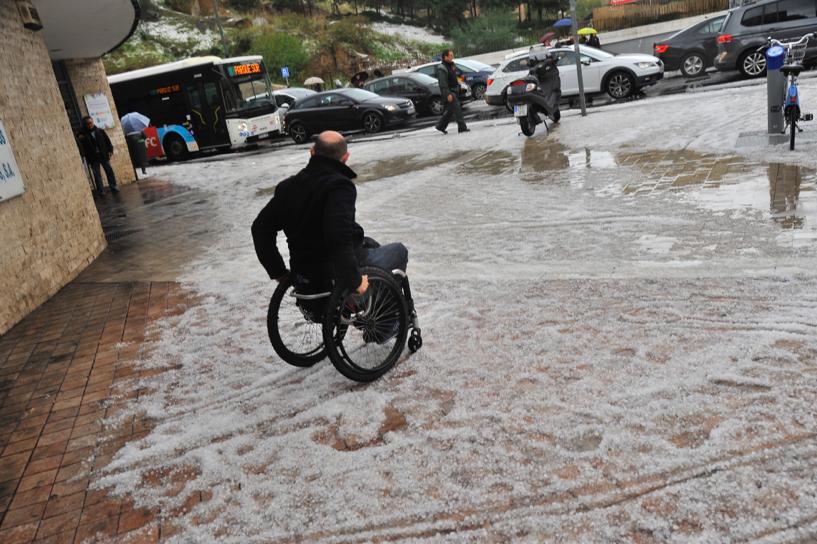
pixel 435 105
pixel 753 64
pixel 620 85
pixel 372 122
pixel 478 91
pixel 298 132
pixel 692 65
pixel 507 106
pixel 175 148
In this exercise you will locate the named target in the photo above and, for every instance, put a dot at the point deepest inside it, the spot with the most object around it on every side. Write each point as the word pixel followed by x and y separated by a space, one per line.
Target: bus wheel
pixel 175 148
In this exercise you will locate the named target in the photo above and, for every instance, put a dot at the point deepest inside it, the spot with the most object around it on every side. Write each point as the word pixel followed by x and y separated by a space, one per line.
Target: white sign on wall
pixel 11 179
pixel 100 110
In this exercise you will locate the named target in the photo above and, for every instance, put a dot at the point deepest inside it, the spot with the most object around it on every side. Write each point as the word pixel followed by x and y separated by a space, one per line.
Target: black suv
pixel 747 27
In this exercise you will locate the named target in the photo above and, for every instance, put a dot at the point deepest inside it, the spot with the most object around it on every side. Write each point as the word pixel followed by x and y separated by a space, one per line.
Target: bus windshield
pixel 246 86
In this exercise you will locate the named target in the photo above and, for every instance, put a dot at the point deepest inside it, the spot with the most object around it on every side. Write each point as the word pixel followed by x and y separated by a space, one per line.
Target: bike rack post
pixel 775 88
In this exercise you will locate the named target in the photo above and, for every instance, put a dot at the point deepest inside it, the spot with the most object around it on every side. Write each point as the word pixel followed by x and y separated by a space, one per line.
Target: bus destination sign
pixel 244 69
pixel 166 90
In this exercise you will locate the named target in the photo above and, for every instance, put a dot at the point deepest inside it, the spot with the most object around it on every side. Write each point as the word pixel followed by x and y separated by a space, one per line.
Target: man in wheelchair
pixel 316 210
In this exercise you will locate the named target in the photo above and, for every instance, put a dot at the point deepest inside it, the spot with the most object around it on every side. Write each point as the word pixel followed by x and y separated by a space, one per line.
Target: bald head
pixel 332 145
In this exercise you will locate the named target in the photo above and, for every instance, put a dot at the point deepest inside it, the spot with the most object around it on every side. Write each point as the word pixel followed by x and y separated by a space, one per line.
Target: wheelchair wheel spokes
pixel 368 335
pixel 296 339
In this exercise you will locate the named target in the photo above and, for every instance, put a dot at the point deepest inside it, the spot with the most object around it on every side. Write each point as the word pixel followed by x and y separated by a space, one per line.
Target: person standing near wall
pixel 449 90
pixel 98 150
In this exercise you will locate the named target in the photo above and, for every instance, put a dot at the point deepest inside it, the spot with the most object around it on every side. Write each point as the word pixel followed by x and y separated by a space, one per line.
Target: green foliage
pixel 282 49
pixel 493 31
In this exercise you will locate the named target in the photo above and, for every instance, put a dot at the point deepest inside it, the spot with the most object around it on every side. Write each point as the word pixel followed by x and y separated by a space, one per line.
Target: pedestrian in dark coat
pixel 449 90
pixel 316 210
pixel 97 150
pixel 593 41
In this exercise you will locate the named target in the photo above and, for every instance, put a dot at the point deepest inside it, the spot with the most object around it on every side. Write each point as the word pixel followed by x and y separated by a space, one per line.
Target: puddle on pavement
pixel 723 183
pixel 404 164
pixel 493 163
pixel 541 156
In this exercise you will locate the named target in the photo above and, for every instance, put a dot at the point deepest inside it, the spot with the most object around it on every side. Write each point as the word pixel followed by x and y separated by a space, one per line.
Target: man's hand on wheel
pixel 364 285
pixel 450 98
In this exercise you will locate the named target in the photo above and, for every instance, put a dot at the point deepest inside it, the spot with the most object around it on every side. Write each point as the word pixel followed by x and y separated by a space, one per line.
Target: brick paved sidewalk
pixel 67 367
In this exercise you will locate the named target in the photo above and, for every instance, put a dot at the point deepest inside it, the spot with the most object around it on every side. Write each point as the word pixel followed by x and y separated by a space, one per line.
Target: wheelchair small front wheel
pixel 415 341
pixel 296 339
pixel 365 335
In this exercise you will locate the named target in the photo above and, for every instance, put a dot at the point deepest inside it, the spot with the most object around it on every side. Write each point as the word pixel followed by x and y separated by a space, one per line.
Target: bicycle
pixel 793 65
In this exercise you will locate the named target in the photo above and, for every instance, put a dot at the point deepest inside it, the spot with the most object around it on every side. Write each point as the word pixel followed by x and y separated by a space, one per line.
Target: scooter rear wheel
pixel 527 126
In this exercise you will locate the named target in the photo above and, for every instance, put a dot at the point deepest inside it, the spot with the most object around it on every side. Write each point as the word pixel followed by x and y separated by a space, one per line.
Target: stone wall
pixel 51 232
pixel 88 77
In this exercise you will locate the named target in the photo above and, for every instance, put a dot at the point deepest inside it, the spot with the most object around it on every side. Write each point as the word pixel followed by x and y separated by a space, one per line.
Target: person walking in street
pixel 449 90
pixel 593 41
pixel 98 150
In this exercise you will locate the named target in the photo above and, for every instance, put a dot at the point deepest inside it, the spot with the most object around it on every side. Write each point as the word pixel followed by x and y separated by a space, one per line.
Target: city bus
pixel 199 103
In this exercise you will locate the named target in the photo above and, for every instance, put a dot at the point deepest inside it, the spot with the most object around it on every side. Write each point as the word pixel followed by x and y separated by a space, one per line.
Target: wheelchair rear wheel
pixel 296 339
pixel 365 335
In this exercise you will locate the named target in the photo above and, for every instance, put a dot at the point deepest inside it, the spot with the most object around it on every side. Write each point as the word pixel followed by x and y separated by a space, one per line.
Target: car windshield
pixel 245 86
pixel 359 94
pixel 474 65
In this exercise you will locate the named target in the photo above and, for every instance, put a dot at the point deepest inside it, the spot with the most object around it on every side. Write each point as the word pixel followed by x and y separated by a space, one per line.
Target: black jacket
pixel 96 146
pixel 316 210
pixel 447 79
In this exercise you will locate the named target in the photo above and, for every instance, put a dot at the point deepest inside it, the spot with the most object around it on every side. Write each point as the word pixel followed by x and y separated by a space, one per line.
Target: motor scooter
pixel 536 96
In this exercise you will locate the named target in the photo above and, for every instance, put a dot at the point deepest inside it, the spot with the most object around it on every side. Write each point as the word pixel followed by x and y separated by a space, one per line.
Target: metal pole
pixel 574 27
pixel 220 28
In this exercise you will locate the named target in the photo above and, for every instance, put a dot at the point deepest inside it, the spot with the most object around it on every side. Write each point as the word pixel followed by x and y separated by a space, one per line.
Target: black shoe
pixel 114 189
pixel 466 129
pixel 441 129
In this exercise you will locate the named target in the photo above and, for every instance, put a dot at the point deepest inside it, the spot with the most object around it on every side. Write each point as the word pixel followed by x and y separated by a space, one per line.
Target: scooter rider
pixel 550 84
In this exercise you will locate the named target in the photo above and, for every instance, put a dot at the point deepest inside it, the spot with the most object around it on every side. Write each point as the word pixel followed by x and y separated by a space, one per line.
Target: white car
pixel 617 75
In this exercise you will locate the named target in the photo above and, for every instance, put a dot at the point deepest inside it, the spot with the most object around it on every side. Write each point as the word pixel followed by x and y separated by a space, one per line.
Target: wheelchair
pixel 363 335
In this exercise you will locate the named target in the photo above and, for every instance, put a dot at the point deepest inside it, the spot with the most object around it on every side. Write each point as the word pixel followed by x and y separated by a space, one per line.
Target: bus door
pixel 207 114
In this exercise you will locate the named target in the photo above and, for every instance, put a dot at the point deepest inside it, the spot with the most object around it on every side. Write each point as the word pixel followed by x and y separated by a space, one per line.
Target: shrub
pixel 493 31
pixel 280 49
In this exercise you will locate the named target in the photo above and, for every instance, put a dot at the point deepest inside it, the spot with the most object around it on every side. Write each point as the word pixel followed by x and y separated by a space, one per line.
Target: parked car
pixel 344 110
pixel 289 95
pixel 746 29
pixel 422 90
pixel 618 75
pixel 472 73
pixel 691 50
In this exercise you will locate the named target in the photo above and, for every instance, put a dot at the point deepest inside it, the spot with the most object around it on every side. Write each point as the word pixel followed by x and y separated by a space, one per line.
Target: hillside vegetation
pixel 333 39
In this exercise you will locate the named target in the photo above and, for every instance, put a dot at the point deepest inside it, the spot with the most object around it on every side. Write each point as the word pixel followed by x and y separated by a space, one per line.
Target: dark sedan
pixel 693 49
pixel 346 110
pixel 422 90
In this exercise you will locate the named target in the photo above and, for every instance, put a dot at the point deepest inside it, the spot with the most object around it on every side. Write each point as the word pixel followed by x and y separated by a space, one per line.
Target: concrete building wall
pixel 52 231
pixel 88 77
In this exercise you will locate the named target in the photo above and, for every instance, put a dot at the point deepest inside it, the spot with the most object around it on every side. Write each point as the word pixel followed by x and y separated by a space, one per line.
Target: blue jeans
pixel 388 257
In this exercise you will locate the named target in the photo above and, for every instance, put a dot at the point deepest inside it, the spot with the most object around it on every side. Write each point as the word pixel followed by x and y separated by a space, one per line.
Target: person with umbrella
pixel 592 36
pixel 133 124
